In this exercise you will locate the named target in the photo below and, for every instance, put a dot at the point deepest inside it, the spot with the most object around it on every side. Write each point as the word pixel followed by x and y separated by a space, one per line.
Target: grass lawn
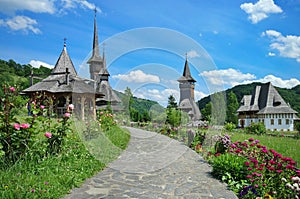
pixel 288 147
pixel 54 176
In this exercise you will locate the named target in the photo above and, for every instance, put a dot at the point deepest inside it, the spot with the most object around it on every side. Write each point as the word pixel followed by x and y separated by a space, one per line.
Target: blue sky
pixel 227 42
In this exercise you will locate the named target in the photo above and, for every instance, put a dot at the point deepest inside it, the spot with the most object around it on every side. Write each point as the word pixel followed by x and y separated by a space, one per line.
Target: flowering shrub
pixel 15 137
pixel 265 168
pixel 222 143
pixel 56 137
pixel 106 119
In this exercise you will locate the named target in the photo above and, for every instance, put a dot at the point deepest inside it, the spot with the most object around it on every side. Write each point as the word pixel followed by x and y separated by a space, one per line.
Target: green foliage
pixel 256 128
pixel 16 74
pixel 172 102
pixel 232 106
pixel 229 126
pixel 206 112
pixel 137 109
pixel 227 163
pixel 106 119
pixel 173 117
pixel 42 157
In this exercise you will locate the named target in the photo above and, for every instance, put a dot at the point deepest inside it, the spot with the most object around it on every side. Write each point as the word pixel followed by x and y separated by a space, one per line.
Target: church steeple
pixel 95 61
pixel 186 76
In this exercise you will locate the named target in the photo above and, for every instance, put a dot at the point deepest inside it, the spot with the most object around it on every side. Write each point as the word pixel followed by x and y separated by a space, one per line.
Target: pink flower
pixel 12 89
pixel 279 171
pixel 247 163
pixel 17 126
pixel 71 106
pixel 42 106
pixel 251 139
pixel 101 113
pixel 48 135
pixel 24 126
pixel 67 114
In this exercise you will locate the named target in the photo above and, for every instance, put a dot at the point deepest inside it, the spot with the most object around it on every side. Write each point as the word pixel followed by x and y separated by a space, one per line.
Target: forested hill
pixel 18 75
pixel 291 96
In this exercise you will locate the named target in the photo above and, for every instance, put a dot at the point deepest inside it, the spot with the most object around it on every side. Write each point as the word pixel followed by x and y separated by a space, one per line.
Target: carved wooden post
pixel 82 100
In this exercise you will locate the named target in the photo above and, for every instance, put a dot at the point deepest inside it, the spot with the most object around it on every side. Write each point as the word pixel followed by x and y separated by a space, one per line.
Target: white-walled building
pixel 267 106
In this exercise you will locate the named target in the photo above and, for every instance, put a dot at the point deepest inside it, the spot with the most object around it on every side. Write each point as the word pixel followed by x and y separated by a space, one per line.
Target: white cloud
pixel 137 76
pixel 192 54
pixel 277 81
pixel 271 54
pixel 70 4
pixel 160 96
pixel 37 64
pixel 230 77
pixel 22 23
pixel 199 95
pixel 37 6
pixel 287 46
pixel 260 10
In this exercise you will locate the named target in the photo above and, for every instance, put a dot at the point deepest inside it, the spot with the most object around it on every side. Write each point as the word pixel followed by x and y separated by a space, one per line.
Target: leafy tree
pixel 206 112
pixel 232 106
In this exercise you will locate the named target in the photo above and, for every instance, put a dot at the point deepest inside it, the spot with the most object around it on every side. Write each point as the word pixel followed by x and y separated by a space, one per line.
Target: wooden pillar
pixel 82 100
pixel 94 108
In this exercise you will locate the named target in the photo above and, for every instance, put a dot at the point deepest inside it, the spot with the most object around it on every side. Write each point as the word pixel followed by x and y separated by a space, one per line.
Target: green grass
pixel 54 176
pixel 288 147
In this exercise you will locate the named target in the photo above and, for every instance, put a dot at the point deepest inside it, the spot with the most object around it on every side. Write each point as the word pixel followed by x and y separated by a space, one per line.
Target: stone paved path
pixel 154 166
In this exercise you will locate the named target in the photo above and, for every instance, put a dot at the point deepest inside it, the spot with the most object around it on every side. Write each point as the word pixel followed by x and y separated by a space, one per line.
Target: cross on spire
pixel 65 40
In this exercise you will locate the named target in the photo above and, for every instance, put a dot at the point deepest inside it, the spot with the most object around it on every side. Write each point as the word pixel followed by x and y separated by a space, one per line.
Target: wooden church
pixel 65 87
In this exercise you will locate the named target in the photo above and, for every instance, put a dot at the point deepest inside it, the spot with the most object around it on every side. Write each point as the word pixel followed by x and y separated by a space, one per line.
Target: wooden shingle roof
pixel 186 76
pixel 265 100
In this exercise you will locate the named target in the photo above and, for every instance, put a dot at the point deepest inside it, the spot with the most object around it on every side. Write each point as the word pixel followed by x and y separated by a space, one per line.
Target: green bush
pixel 225 164
pixel 229 126
pixel 256 128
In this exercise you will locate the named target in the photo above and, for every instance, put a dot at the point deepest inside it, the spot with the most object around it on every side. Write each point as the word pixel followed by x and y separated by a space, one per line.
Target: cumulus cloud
pixel 199 95
pixel 22 23
pixel 192 54
pixel 276 81
pixel 37 64
pixel 37 6
pixel 27 24
pixel 260 10
pixel 70 4
pixel 287 46
pixel 161 96
pixel 137 76
pixel 230 77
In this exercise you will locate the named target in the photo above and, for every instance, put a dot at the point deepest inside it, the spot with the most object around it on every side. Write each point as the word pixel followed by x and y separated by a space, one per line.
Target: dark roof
pixel 64 61
pixel 61 82
pixel 186 76
pixel 109 94
pixel 265 100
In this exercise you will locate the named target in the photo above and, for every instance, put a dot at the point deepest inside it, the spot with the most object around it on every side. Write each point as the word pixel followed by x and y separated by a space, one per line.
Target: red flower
pixel 48 135
pixel 279 171
pixel 12 89
pixel 17 126
pixel 247 163
pixel 24 126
